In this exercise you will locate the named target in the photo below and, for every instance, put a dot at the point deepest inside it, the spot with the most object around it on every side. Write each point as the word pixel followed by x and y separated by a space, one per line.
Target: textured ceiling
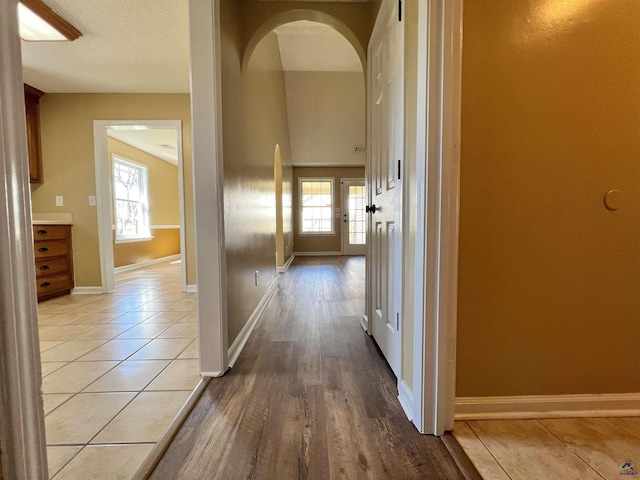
pixel 160 142
pixel 309 46
pixel 127 46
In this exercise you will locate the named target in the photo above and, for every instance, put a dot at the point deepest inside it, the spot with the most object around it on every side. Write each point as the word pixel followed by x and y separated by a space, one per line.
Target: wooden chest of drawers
pixel 54 260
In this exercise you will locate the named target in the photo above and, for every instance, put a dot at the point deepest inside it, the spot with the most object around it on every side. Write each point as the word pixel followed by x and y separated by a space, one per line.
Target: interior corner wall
pixel 308 243
pixel 164 208
pixel 254 121
pixel 69 165
pixel 549 278
pixel 326 113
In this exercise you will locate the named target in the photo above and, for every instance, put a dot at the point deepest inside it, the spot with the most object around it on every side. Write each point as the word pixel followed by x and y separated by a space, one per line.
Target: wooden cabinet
pixel 54 260
pixel 34 149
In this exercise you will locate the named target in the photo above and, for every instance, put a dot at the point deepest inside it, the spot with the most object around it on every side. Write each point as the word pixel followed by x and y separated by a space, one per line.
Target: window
pixel 131 200
pixel 316 201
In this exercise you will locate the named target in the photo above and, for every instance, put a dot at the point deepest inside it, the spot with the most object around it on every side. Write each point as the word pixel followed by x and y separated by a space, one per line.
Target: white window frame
pixel 144 184
pixel 301 206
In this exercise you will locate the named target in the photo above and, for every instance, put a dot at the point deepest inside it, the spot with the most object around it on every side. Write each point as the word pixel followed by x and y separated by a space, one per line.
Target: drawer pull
pixel 44 267
pixel 45 284
pixel 43 249
pixel 42 232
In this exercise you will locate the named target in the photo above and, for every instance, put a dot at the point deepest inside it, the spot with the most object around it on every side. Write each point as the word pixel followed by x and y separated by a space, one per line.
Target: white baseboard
pixel 133 266
pixel 243 336
pixel 192 289
pixel 317 254
pixel 548 406
pixel 364 323
pixel 405 395
pixel 86 290
pixel 212 374
pixel 286 265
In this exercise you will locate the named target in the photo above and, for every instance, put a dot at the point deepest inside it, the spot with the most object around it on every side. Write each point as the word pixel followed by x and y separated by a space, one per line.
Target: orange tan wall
pixel 69 164
pixel 549 279
pixel 321 243
pixel 165 243
pixel 254 121
pixel 164 208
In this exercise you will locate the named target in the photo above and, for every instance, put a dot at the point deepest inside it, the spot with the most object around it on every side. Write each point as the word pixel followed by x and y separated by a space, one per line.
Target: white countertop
pixel 51 219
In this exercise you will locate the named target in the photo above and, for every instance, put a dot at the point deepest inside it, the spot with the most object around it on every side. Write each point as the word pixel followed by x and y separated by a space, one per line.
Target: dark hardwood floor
pixel 311 396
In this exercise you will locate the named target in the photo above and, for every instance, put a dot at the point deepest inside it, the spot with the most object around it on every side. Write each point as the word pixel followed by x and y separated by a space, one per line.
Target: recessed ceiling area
pixel 161 142
pixel 315 47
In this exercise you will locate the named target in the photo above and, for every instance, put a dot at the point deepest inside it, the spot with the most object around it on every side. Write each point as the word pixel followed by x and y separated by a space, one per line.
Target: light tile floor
pixel 567 448
pixel 116 370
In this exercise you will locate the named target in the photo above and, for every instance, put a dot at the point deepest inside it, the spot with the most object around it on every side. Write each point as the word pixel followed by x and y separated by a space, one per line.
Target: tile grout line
pixel 568 447
pixel 488 450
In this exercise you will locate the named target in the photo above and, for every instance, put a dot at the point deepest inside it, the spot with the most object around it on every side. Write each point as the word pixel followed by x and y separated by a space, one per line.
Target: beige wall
pixel 549 279
pixel 69 165
pixel 254 122
pixel 164 207
pixel 321 243
pixel 326 117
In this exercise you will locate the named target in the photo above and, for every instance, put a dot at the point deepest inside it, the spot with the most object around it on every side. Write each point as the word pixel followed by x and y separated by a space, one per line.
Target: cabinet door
pixel 32 111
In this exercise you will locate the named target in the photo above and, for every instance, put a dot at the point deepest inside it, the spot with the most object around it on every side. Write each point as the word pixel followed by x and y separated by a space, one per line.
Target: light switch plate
pixel 59 201
pixel 92 200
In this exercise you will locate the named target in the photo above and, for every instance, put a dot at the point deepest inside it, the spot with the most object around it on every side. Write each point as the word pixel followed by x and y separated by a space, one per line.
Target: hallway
pixel 310 396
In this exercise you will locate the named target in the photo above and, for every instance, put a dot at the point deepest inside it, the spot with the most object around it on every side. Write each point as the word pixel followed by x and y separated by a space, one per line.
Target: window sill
pixel 321 234
pixel 133 240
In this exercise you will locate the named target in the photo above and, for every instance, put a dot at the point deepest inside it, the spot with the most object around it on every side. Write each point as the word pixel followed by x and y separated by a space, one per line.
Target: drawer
pixel 51 249
pixel 50 232
pixel 50 267
pixel 54 283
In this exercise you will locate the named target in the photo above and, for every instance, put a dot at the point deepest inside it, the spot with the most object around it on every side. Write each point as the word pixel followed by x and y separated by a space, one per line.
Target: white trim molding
pixel 191 289
pixel 241 340
pixel 95 290
pixel 286 265
pixel 208 183
pixel 22 432
pixel 133 266
pixel 405 396
pixel 318 254
pixel 548 406
pixel 164 227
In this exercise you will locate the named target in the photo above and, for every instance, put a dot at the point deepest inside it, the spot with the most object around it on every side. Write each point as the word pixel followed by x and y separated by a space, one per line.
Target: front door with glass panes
pixel 354 220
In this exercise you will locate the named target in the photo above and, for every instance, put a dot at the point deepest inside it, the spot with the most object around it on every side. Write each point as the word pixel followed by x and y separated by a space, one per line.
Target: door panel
pixel 385 192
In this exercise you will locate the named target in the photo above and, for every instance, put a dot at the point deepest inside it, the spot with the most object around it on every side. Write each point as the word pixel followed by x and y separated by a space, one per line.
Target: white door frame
pixel 22 435
pixel 344 202
pixel 435 288
pixel 208 185
pixel 104 188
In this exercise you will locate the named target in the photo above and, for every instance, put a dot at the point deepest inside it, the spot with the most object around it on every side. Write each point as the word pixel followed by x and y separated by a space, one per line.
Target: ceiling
pixel 161 142
pixel 127 46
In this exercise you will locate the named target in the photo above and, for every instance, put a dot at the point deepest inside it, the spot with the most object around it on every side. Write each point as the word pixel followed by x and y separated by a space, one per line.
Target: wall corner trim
pixel 548 406
pixel 191 289
pixel 405 396
pixel 243 336
pixel 286 265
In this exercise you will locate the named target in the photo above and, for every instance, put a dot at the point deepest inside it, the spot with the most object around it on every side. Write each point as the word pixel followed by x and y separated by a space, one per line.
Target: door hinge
pixel 397 320
pixel 399 10
pixel 399 168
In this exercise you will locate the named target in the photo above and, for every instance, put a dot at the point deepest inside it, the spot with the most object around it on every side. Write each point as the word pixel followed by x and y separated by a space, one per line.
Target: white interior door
pixel 386 53
pixel 354 220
